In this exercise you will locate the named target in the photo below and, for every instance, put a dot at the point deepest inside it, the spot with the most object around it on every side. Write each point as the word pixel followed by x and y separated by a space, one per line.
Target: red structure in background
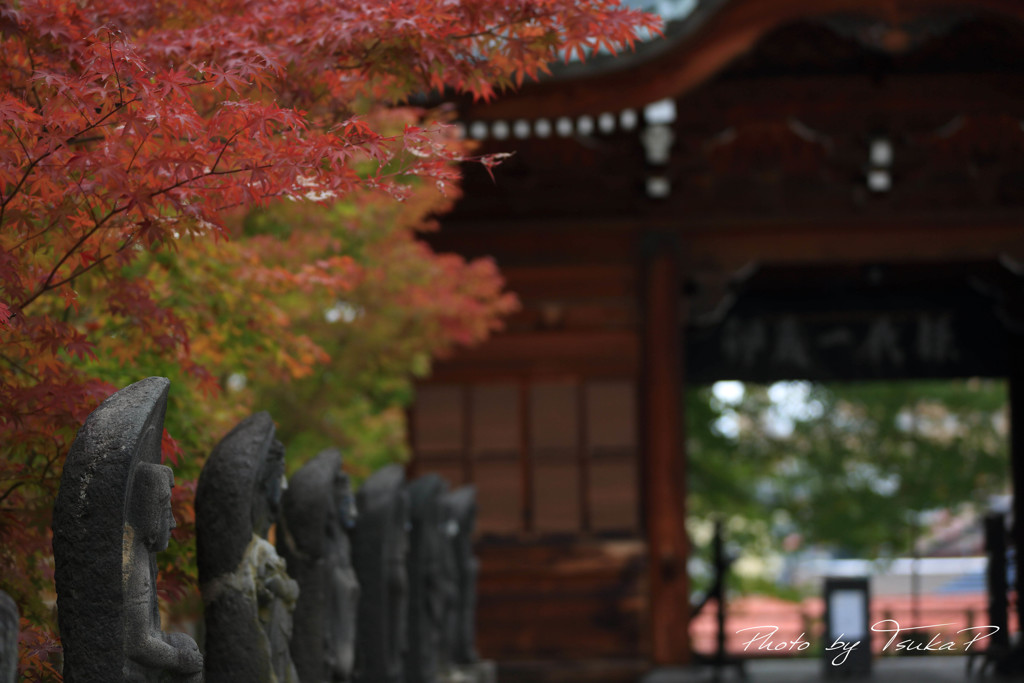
pixel 794 620
pixel 771 175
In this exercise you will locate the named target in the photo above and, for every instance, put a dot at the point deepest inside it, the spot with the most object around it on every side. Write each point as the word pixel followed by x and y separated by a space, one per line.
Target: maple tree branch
pixel 32 64
pixel 11 489
pixel 208 174
pixel 70 141
pixel 41 232
pixel 77 109
pixel 85 141
pixel 135 152
pixel 361 61
pixel 85 200
pixel 117 76
pixel 223 149
pixel 49 464
pixel 21 143
pixel 48 283
pixel 28 171
pixel 99 122
pixel 493 30
pixel 17 366
pixel 85 269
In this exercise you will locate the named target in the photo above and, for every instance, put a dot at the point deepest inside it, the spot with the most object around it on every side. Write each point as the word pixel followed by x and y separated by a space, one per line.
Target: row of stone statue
pixel 377 587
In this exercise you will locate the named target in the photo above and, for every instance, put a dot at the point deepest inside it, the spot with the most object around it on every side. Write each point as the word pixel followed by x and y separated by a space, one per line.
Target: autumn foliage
pixel 138 137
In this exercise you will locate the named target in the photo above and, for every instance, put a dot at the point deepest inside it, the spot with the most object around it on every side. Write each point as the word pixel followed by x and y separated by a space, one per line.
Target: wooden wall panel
pixel 579 599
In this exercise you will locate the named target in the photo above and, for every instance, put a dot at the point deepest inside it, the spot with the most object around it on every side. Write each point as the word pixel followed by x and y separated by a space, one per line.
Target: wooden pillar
pixel 1017 464
pixel 664 472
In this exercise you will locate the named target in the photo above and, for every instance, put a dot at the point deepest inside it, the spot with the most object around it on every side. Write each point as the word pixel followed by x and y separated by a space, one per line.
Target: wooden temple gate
pixel 778 189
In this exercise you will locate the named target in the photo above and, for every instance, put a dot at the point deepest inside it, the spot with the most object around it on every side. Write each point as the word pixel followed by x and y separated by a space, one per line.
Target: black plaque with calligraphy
pixel 855 324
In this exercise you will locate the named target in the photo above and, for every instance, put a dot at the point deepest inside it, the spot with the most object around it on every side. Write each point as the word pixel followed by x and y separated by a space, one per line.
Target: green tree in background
pixel 845 466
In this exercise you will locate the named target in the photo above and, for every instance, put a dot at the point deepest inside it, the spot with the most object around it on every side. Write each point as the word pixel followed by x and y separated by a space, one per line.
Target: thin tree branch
pixel 48 283
pixel 117 76
pixel 11 489
pixel 71 140
pixel 17 366
pixel 223 149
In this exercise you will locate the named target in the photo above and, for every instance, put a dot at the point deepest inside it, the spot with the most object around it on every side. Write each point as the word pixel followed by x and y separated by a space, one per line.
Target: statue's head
pixel 149 510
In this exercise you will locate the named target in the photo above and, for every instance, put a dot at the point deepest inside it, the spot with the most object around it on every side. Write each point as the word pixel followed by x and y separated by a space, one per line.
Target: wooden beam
pixel 664 458
pixel 842 236
pixel 844 101
pixel 572 281
pixel 613 353
pixel 695 57
pixel 515 243
pixel 910 242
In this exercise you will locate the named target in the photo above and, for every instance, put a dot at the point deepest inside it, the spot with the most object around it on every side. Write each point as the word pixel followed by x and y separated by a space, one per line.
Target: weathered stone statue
pixel 113 514
pixel 313 536
pixel 463 663
pixel 425 566
pixel 381 546
pixel 460 506
pixel 449 591
pixel 247 593
pixel 8 639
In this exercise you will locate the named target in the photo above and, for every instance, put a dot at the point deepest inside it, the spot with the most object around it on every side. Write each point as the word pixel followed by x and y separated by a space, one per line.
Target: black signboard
pixel 852 328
